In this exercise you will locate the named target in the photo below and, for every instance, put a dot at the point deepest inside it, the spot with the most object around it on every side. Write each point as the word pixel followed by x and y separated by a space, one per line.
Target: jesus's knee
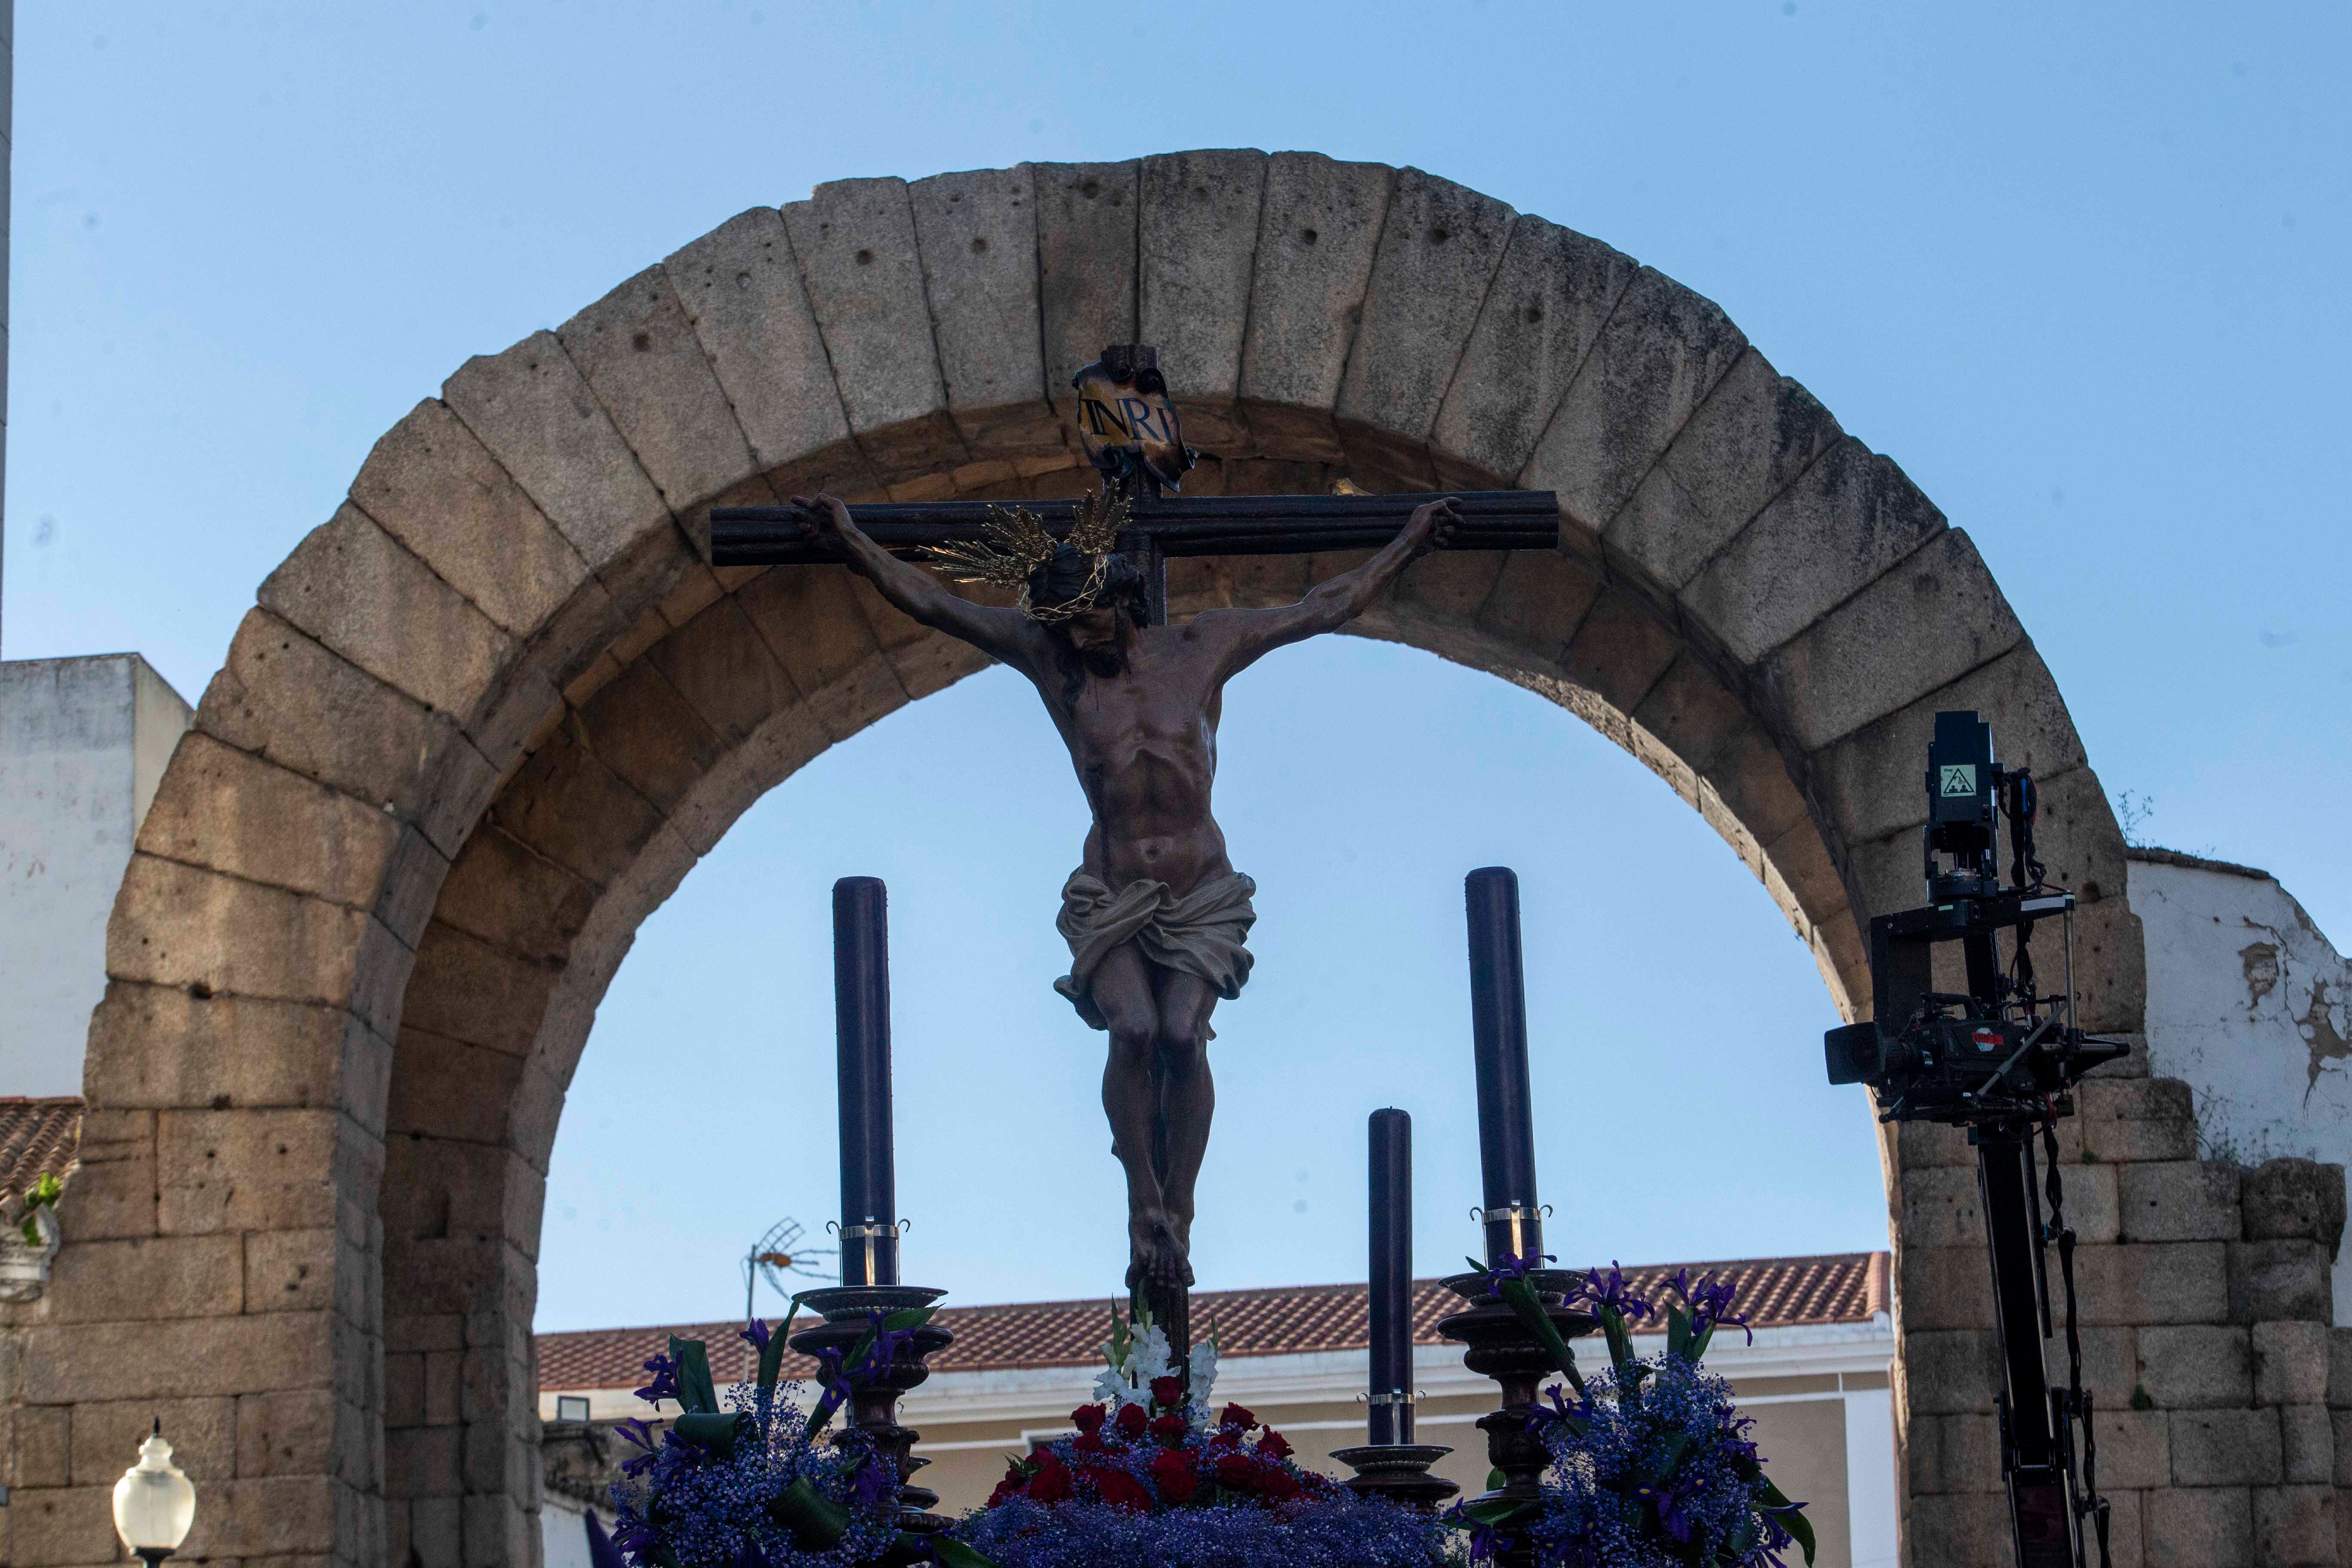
pixel 1131 1043
pixel 1181 1055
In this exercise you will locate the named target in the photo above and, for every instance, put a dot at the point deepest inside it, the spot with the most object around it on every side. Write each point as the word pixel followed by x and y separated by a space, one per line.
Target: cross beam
pixel 1157 531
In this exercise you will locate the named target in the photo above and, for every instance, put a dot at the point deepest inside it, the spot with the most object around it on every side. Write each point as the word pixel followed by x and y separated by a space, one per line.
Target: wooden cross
pixel 1159 529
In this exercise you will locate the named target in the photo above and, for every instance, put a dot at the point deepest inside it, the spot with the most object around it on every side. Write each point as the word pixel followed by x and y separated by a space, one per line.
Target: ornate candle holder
pixel 1502 1348
pixel 874 1399
pixel 1400 1472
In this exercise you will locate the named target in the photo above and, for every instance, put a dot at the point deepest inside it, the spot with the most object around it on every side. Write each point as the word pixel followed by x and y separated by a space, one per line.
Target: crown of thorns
pixel 1018 545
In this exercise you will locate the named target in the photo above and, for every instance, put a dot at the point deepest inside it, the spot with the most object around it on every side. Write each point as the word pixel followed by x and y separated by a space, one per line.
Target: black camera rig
pixel 1999 1057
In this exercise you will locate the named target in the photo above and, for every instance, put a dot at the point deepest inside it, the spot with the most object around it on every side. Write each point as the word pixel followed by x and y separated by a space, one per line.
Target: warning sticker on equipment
pixel 1960 778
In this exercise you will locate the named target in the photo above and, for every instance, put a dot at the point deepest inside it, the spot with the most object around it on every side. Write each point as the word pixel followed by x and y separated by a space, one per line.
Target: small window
pixel 572 1408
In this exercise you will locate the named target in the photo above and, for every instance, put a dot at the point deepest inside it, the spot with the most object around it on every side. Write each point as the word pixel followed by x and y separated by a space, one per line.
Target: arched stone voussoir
pixel 1662 351
pixel 1552 293
pixel 1197 231
pixel 977 231
pixel 1085 266
pixel 643 362
pixel 1439 248
pixel 1318 230
pixel 855 240
pixel 1921 625
pixel 1748 441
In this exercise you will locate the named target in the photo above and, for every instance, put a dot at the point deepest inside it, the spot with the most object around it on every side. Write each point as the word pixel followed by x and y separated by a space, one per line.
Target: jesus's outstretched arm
pixel 1006 634
pixel 1241 637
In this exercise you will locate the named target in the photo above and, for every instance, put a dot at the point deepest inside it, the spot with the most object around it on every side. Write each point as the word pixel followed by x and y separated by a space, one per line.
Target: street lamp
pixel 153 1504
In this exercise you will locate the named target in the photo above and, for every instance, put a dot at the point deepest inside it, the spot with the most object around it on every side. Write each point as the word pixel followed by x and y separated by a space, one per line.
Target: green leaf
pixel 1498 1511
pixel 1621 1340
pixel 816 1521
pixel 713 1429
pixel 1496 1481
pixel 909 1317
pixel 695 1392
pixel 1678 1332
pixel 1794 1521
pixel 1521 1298
pixel 954 1553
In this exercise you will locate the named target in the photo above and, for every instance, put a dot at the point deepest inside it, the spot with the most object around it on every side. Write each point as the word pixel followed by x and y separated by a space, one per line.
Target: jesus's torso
pixel 1144 743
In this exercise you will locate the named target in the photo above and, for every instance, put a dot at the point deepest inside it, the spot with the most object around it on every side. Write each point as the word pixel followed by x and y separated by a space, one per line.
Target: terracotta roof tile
pixel 1842 1287
pixel 37 1138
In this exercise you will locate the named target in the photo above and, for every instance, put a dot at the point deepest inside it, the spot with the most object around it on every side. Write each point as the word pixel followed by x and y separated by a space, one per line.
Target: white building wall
pixel 83 744
pixel 2252 1005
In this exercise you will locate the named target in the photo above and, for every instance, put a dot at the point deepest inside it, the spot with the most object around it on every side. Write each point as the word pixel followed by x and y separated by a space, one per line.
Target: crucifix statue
pixel 1155 915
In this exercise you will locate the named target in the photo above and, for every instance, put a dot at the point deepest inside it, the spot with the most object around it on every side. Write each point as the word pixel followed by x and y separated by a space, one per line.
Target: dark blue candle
pixel 1498 1029
pixel 861 1006
pixel 1391 1278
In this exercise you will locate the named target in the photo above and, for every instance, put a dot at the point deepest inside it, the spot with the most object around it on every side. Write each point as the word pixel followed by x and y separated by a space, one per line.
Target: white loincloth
pixel 1201 933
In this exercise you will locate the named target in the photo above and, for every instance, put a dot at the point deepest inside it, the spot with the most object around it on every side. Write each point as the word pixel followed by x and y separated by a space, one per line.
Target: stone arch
pixel 483 720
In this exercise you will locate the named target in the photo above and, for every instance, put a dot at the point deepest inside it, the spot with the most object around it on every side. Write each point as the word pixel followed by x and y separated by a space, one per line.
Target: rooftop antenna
pixel 777 1253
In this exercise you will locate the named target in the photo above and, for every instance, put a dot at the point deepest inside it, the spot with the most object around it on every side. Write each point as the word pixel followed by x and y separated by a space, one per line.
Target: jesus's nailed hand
pixel 1433 524
pixel 833 523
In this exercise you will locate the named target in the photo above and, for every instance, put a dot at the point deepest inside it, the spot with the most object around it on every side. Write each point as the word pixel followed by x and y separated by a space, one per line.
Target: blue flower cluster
pixel 1653 1469
pixel 1331 1531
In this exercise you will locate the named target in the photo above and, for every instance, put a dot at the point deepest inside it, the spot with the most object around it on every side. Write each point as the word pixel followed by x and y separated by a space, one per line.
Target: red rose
pixel 1170 1428
pixel 1122 1490
pixel 1235 1470
pixel 1167 1391
pixel 1052 1481
pixel 1132 1421
pixel 1089 1443
pixel 1278 1484
pixel 1235 1415
pixel 1172 1472
pixel 1273 1444
pixel 1087 1417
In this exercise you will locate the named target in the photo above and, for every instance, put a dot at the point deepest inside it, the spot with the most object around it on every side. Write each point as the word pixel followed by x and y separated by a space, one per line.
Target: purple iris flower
pixel 1485 1541
pixel 1710 1302
pixel 873 1484
pixel 1509 1266
pixel 635 1431
pixel 755 1334
pixel 835 1383
pixel 665 1380
pixel 1560 1411
pixel 1614 1291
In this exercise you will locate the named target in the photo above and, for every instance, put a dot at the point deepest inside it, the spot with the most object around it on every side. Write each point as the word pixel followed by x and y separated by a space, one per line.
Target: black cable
pixel 2075 1398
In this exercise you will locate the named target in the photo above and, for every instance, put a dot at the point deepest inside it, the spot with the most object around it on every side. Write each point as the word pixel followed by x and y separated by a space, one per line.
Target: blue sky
pixel 2078 269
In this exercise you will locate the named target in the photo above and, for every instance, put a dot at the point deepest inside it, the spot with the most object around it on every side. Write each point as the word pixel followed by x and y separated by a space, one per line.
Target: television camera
pixel 1989 1051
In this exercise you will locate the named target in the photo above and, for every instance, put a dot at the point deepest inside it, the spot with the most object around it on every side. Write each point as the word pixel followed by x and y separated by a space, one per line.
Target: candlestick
pixel 861 1006
pixel 1498 1026
pixel 1391 1419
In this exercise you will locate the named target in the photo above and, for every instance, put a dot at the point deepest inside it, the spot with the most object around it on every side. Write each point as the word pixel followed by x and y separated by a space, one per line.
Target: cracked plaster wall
pixel 2250 1004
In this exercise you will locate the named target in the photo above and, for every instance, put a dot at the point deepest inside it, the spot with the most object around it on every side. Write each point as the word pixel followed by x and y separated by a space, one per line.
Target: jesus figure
pixel 1155 914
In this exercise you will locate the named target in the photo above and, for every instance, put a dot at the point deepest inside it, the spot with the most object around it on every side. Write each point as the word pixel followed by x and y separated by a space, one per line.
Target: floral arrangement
pixel 1651 1464
pixel 1150 1475
pixel 754 1484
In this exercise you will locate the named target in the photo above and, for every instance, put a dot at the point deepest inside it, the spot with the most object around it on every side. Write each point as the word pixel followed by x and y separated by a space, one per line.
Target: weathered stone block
pixel 2294 1527
pixel 449 1089
pixel 2341 1421
pixel 158 1047
pixel 1914 629
pixel 1958 1453
pixel 1942 1208
pixel 231 811
pixel 648 734
pixel 1745 443
pixel 2134 1450
pixel 1663 352
pixel 106 1437
pixel 2110 1357
pixel 1619 652
pixel 1870 778
pixel 1957 1530
pixel 422 1461
pixel 176 925
pixel 1949 1372
pixel 1197 251
pixel 1085 266
pixel 2290 1362
pixel 362 595
pixel 2179 1200
pixel 810 622
pixel 855 243
pixel 537 415
pixel 2196 1366
pixel 2339 1368
pixel 404 1390
pixel 2149 1119
pixel 157 1276
pixel 741 288
pixel 978 232
pixel 2210 1526
pixel 2167 1282
pixel 2273 1279
pixel 273 1516
pixel 432 485
pixel 465 989
pixel 2307 1437
pixel 292 1432
pixel 1944 1286
pixel 2295 1200
pixel 1551 295
pixel 304 1271
pixel 719 665
pixel 184 1358
pixel 1320 227
pixel 1850 517
pixel 40 1446
pixel 569 806
pixel 503 892
pixel 55 1526
pixel 642 359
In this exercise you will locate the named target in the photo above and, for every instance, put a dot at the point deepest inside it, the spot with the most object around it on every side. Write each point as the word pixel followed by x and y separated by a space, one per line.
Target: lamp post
pixel 154 1505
